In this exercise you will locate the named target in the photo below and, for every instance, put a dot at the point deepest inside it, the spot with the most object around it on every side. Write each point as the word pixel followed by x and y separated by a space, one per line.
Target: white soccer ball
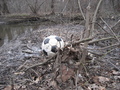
pixel 51 44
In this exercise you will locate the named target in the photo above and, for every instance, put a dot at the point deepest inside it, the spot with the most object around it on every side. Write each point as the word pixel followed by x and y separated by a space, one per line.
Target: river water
pixel 10 32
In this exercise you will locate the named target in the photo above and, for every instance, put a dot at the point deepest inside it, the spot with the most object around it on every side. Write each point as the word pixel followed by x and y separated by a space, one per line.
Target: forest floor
pixel 24 67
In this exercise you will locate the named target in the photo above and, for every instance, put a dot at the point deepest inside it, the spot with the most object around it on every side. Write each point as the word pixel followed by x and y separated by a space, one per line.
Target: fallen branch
pixel 78 42
pixel 95 41
pixel 110 46
pixel 42 63
pixel 118 44
pixel 90 41
pixel 28 51
pixel 21 66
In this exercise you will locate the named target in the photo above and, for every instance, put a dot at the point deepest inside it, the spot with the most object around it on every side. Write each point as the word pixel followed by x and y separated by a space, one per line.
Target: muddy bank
pixel 21 19
pixel 55 19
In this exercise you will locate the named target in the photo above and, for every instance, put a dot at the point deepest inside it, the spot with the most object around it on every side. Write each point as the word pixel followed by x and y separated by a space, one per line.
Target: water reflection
pixel 9 32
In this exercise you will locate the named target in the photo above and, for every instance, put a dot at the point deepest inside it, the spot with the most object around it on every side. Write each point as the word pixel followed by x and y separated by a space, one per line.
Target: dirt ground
pixel 24 67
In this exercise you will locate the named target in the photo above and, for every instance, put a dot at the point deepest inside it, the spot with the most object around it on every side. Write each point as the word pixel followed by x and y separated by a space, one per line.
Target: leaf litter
pixel 22 69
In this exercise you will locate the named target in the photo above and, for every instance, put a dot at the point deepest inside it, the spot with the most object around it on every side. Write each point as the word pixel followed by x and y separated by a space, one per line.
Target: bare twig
pixel 76 80
pixel 21 66
pixel 118 44
pixel 58 59
pixel 30 6
pixel 103 39
pixel 28 51
pixel 78 42
pixel 81 9
pixel 36 7
pixel 115 24
pixel 29 47
pixel 103 29
pixel 42 63
pixel 82 41
pixel 65 6
pixel 113 64
pixel 110 30
pixel 109 60
pixel 88 39
pixel 94 17
pixel 41 5
pixel 110 46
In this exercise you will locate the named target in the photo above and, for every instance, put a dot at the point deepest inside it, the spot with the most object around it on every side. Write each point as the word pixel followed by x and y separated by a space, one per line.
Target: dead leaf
pixel 67 73
pixel 117 77
pixel 103 79
pixel 95 87
pixel 100 79
pixel 36 80
pixel 115 72
pixel 9 87
pixel 19 73
pixel 102 88
pixel 54 84
pixel 15 87
pixel 92 86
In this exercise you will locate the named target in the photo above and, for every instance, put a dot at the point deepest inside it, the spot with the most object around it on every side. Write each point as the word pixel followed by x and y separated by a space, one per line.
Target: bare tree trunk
pixel 32 7
pixel 4 8
pixel 52 7
pixel 0 9
pixel 35 7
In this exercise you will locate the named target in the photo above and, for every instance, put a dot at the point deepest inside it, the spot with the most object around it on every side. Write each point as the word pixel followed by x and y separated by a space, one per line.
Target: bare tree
pixel 0 9
pixel 108 7
pixel 52 7
pixel 4 8
pixel 35 7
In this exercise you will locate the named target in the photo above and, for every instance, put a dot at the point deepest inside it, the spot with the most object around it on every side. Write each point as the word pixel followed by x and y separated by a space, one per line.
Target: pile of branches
pixel 66 70
pixel 62 71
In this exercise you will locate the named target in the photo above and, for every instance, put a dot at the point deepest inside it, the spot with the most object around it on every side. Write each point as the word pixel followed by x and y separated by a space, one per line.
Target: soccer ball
pixel 51 44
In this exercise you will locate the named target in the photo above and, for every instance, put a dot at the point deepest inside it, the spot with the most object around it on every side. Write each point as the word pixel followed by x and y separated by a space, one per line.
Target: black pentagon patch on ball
pixel 45 52
pixel 54 49
pixel 46 41
pixel 58 38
